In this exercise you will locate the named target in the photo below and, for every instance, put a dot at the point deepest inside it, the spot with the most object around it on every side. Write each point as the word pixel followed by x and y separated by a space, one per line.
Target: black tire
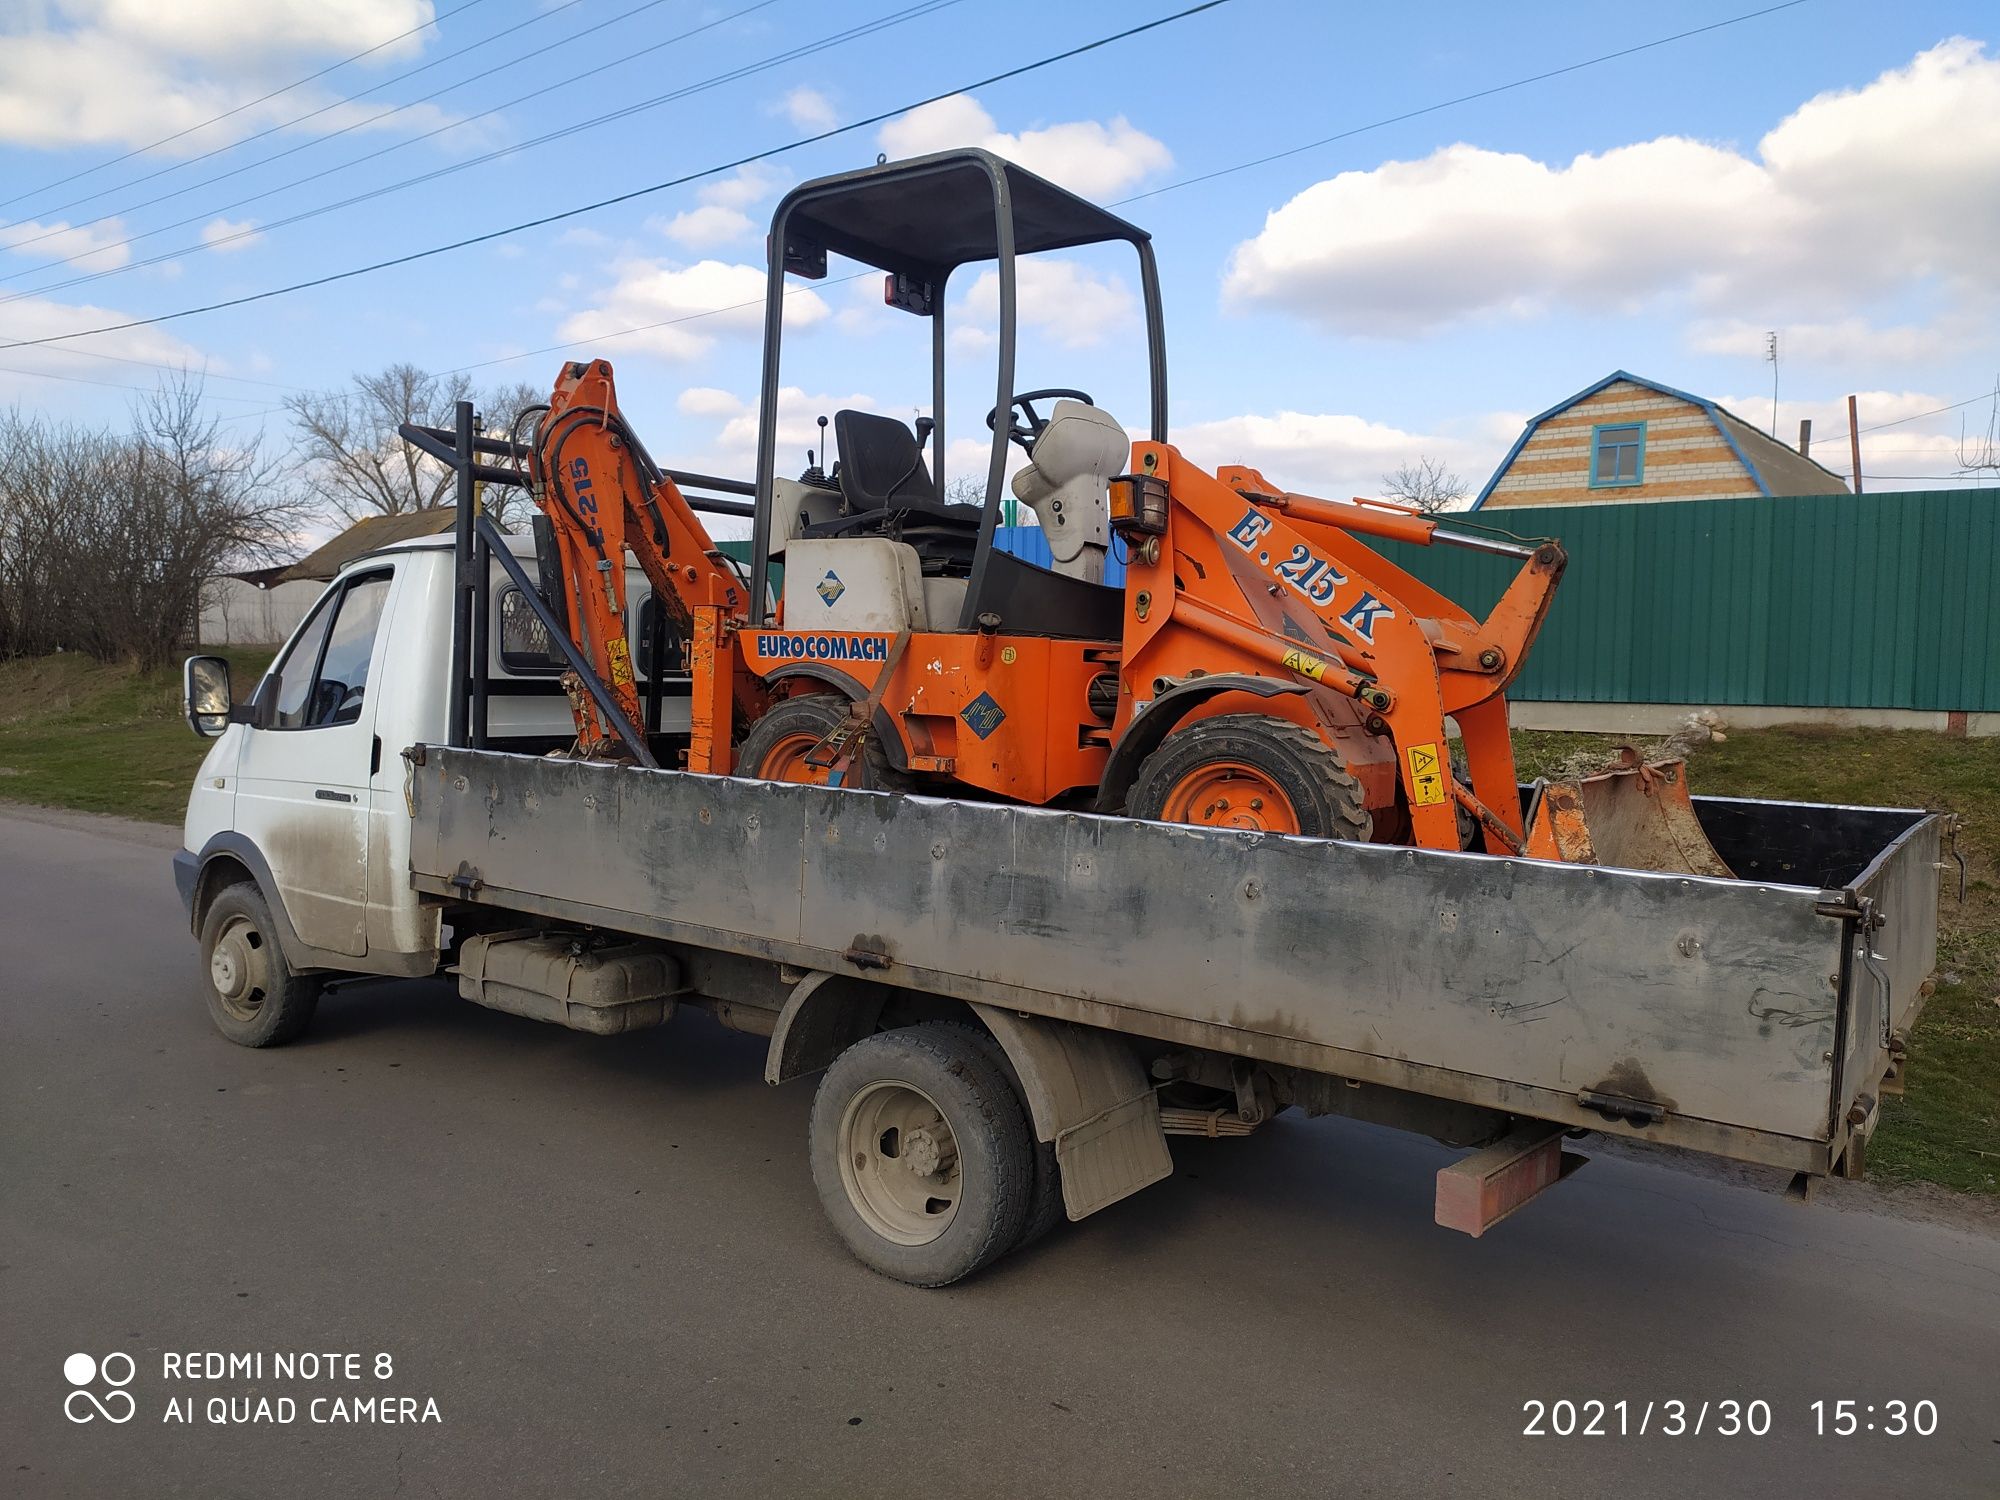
pixel 1047 1209
pixel 990 1189
pixel 814 716
pixel 1326 801
pixel 253 996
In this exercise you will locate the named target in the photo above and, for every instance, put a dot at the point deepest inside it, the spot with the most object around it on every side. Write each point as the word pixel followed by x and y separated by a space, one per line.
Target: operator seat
pixel 886 489
pixel 881 466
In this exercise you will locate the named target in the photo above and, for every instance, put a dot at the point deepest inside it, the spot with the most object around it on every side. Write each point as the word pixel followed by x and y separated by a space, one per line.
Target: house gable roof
pixel 369 534
pixel 1762 456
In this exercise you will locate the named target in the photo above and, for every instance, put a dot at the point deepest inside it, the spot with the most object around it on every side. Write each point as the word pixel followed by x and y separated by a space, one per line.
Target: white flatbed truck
pixel 1014 1007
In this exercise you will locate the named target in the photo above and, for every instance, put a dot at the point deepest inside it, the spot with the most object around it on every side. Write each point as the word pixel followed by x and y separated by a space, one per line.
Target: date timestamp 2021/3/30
pixel 1728 1417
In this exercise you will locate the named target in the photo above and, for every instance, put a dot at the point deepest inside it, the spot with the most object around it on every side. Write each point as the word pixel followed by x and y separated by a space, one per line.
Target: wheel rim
pixel 786 761
pixel 239 967
pixel 899 1163
pixel 1231 794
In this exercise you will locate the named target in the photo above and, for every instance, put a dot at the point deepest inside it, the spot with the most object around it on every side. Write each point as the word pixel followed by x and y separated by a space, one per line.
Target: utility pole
pixel 1854 442
pixel 1771 353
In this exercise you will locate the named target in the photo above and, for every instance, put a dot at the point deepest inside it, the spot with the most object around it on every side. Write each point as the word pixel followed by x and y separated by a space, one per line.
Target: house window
pixel 1617 454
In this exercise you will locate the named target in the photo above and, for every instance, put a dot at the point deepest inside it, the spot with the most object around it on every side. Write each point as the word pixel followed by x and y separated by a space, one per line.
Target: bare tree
pixel 107 540
pixel 1427 484
pixel 357 465
pixel 502 414
pixel 352 459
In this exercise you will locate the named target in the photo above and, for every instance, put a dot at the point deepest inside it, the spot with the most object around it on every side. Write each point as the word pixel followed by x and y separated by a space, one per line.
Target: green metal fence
pixel 1834 601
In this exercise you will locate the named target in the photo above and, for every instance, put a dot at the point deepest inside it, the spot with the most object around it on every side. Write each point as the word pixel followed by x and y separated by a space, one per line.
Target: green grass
pixel 77 734
pixel 1946 1128
pixel 80 734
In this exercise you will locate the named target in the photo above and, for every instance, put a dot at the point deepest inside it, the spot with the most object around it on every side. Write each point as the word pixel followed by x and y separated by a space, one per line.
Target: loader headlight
pixel 1138 505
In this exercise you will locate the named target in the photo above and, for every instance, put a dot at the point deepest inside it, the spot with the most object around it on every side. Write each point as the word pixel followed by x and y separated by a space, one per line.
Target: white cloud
pixel 1856 194
pixel 809 109
pixel 91 247
pixel 1089 157
pixel 730 446
pixel 1925 440
pixel 710 299
pixel 1338 456
pixel 35 318
pixel 719 218
pixel 226 29
pixel 1073 304
pixel 129 72
pixel 707 227
pixel 1843 341
pixel 707 401
pixel 230 235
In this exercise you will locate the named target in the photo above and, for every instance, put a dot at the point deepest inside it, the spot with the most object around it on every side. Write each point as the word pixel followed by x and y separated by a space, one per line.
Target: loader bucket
pixel 1635 816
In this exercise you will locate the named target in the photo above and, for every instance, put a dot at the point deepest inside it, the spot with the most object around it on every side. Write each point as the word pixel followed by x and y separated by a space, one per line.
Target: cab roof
pixel 930 214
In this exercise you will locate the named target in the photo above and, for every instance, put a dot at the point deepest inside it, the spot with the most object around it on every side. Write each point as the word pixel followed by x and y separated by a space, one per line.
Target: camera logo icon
pixel 83 1404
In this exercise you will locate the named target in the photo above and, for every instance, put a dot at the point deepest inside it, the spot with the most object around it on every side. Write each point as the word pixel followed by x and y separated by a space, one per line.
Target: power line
pixel 1487 93
pixel 635 193
pixel 154 364
pixel 113 385
pixel 226 114
pixel 619 333
pixel 354 161
pixel 894 18
pixel 1241 166
pixel 189 161
pixel 1935 411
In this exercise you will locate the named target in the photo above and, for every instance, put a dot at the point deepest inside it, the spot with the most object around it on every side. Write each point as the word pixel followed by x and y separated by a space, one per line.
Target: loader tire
pixel 254 997
pixel 776 747
pixel 921 1154
pixel 1253 772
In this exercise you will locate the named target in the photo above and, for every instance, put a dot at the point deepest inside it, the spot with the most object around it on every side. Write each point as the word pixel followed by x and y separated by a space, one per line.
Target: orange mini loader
pixel 1262 667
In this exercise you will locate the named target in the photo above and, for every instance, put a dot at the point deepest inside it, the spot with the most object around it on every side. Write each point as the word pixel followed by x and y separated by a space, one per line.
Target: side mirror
pixel 205 695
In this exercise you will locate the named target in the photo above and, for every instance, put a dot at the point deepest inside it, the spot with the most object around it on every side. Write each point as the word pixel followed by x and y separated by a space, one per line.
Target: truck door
pixel 302 784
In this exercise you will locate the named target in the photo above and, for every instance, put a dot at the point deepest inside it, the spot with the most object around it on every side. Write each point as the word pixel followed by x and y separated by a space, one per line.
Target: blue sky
pixel 1831 171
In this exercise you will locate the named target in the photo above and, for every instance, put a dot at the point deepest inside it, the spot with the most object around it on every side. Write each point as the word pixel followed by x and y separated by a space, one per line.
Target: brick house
pixel 1627 439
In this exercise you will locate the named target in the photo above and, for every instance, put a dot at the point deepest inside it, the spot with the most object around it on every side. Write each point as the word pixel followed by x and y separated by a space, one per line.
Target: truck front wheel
pixel 253 996
pixel 922 1154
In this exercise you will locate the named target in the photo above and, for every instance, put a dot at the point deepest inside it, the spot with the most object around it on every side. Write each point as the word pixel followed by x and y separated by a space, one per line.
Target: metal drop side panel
pixel 1513 983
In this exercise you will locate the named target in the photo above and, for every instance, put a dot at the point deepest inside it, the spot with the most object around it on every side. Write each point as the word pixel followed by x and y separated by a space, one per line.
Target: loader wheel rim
pixel 899 1163
pixel 239 967
pixel 1231 794
pixel 786 761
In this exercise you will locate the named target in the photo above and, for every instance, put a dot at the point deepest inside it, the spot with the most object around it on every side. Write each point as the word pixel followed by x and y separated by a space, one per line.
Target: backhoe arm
pixel 603 494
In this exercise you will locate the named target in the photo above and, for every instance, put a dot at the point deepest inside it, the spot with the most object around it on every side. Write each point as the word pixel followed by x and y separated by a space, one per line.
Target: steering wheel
pixel 1025 433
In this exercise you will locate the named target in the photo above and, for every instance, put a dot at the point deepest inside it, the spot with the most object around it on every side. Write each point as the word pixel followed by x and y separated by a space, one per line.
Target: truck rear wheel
pixel 253 996
pixel 1253 772
pixel 922 1154
pixel 777 745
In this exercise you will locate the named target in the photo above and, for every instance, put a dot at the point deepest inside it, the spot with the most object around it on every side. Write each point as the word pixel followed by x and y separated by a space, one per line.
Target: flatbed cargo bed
pixel 1754 1018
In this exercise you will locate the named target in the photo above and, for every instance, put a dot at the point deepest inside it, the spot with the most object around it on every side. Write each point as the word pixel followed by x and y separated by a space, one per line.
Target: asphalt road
pixel 603 1260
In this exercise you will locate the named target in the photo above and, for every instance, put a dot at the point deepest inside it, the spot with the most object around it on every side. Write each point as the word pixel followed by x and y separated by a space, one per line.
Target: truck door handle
pixel 327 794
pixel 375 756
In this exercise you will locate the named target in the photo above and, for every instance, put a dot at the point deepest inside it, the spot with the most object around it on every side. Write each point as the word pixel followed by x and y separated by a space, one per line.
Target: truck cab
pixel 301 794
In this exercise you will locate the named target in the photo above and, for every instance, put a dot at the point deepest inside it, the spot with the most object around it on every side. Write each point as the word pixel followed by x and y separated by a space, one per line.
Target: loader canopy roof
pixel 931 214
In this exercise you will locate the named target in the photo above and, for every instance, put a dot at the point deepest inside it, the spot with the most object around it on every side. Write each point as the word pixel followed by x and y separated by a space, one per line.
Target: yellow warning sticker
pixel 1308 666
pixel 1426 776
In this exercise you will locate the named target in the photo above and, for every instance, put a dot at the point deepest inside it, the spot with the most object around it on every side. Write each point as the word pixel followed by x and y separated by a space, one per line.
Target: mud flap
pixel 1635 816
pixel 1088 1094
